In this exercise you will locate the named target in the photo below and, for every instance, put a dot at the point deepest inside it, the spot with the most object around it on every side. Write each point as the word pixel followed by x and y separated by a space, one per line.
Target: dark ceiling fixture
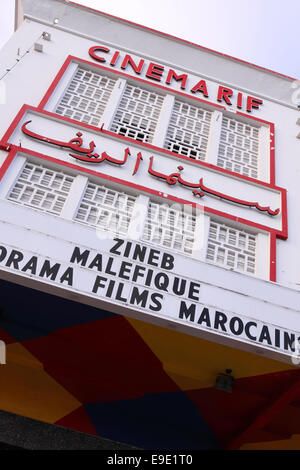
pixel 225 381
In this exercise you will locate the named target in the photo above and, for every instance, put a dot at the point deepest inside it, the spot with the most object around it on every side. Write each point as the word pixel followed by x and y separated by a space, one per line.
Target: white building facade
pixel 152 178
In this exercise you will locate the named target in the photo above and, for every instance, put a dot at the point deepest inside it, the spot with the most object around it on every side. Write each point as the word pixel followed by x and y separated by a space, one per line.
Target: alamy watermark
pixel 166 225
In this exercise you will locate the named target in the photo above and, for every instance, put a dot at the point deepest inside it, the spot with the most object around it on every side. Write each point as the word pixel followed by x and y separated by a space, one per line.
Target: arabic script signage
pixel 151 170
pixel 86 155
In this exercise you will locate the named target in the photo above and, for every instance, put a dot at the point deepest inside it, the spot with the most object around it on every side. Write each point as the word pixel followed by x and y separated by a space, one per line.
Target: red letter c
pixel 93 49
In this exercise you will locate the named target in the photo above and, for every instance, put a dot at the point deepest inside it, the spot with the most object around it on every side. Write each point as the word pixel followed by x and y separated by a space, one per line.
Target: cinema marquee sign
pixel 137 280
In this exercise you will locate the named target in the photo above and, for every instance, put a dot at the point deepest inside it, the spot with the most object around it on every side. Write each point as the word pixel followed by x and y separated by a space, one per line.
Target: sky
pixel 264 32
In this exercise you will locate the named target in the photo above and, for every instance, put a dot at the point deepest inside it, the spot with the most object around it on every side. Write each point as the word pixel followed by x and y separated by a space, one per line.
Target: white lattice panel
pixel 41 188
pixel 232 248
pixel 168 227
pixel 105 208
pixel 188 131
pixel 137 114
pixel 239 147
pixel 86 97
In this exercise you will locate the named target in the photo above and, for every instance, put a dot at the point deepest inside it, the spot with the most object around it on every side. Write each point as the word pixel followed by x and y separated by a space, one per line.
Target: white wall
pixel 31 73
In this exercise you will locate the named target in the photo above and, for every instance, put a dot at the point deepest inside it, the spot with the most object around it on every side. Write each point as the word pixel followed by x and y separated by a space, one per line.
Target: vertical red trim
pixel 114 58
pixel 272 256
pixel 240 100
pixel 284 227
pixel 7 162
pixel 272 153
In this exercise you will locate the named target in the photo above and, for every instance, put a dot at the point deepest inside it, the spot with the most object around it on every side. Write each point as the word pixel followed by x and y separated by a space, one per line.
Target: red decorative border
pixel 13 149
pixel 272 256
pixel 70 58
